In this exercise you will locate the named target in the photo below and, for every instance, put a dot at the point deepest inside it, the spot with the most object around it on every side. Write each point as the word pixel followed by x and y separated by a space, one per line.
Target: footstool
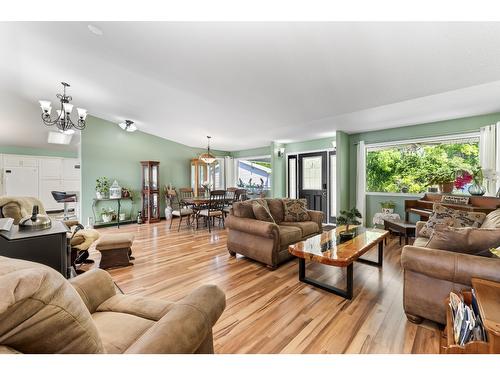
pixel 115 249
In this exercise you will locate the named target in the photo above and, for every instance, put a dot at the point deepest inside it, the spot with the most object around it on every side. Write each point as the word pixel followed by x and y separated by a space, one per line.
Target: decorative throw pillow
pixel 295 210
pixel 261 210
pixel 474 241
pixel 452 218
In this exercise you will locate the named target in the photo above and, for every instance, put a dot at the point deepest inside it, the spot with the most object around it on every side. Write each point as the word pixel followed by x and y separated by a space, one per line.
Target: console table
pixel 117 222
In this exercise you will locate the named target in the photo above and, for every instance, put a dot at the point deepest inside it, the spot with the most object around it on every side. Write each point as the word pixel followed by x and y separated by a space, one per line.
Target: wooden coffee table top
pixel 326 248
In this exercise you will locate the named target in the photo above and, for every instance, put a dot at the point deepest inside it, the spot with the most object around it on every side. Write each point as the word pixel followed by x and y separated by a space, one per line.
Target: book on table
pixel 6 224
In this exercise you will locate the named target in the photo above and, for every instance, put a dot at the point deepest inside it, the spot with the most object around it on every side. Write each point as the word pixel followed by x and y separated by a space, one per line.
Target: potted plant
pixel 388 207
pixel 102 188
pixel 444 176
pixel 107 214
pixel 477 188
pixel 348 218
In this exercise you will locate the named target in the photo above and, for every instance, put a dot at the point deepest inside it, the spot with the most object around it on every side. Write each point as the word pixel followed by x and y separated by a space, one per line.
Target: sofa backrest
pixel 492 220
pixel 276 207
pixel 40 312
pixel 243 209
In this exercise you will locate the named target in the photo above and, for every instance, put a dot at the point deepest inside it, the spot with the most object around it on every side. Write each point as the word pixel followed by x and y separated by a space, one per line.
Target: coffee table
pixel 403 228
pixel 326 248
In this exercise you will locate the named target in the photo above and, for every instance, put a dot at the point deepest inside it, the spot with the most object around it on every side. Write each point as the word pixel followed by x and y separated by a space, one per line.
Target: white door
pixel 21 182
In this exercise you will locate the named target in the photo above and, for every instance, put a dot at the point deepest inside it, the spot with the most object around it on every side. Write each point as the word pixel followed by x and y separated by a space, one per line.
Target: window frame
pixel 247 158
pixel 389 144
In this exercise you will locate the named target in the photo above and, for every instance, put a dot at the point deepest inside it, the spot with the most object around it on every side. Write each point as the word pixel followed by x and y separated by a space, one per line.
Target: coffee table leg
pixel 345 293
pixel 380 258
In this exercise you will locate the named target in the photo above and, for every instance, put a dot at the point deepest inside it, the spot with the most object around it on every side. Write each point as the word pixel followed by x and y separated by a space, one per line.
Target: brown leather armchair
pixel 264 241
pixel 431 274
pixel 42 312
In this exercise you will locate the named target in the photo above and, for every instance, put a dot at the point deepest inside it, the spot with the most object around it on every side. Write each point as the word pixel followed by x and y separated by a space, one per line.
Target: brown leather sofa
pixel 41 312
pixel 264 241
pixel 431 274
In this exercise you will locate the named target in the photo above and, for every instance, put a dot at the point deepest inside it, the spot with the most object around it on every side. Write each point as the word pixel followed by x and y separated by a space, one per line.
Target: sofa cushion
pixel 492 220
pixel 276 208
pixel 474 241
pixel 243 209
pixel 118 330
pixel 295 210
pixel 307 227
pixel 261 210
pixel 450 217
pixel 289 235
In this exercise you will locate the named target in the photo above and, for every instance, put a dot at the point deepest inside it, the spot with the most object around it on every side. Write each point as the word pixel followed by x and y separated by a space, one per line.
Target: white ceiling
pixel 246 84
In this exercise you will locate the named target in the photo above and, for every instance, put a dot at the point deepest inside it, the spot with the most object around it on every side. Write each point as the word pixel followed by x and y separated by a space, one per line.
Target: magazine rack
pixel 488 300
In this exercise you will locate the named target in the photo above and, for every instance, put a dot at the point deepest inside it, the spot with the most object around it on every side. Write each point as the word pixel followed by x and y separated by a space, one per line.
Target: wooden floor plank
pixel 271 311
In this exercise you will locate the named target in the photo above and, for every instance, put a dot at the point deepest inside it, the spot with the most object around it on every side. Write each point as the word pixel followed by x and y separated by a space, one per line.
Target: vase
pixel 168 212
pixel 476 189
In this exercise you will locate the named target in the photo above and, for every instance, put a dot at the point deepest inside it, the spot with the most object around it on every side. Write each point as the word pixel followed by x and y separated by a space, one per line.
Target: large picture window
pixel 411 167
pixel 254 174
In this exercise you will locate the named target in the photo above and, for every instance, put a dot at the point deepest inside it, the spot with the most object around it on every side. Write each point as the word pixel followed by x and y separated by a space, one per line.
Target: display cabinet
pixel 150 191
pixel 198 175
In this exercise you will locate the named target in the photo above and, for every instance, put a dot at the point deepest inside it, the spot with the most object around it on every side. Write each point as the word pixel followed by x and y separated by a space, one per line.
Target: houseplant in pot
pixel 388 207
pixel 444 176
pixel 477 188
pixel 102 188
pixel 107 214
pixel 348 218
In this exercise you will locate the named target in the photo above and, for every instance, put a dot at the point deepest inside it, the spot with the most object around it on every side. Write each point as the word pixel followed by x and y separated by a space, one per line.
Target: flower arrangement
pixel 463 180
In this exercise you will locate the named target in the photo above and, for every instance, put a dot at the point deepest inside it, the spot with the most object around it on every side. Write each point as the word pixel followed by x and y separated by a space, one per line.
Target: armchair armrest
pixel 94 287
pixel 253 226
pixel 418 227
pixel 450 266
pixel 317 217
pixel 185 326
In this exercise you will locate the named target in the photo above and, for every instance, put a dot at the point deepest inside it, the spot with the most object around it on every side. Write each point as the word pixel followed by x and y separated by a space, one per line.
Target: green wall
pixel 38 151
pixel 434 129
pixel 278 164
pixel 343 171
pixel 109 151
pixel 312 145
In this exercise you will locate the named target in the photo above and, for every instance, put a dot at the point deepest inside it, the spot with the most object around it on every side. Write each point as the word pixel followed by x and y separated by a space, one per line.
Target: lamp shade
pixel 207 158
pixel 82 113
pixel 45 105
pixel 68 107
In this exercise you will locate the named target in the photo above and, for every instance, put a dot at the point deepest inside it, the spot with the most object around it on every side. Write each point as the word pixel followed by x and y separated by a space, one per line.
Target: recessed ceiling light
pixel 94 29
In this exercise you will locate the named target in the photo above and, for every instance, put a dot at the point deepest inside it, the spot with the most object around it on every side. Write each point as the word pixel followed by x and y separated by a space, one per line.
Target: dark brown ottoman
pixel 115 249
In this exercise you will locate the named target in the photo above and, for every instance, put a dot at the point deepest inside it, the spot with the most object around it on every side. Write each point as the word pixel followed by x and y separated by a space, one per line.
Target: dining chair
pixel 214 209
pixel 180 210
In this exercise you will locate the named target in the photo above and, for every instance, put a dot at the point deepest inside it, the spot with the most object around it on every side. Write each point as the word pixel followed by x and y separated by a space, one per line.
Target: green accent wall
pixel 312 145
pixel 434 129
pixel 343 159
pixel 278 164
pixel 109 151
pixel 37 152
pixel 260 151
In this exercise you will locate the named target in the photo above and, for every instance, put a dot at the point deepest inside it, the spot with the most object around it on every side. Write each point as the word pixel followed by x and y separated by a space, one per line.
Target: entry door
pixel 313 180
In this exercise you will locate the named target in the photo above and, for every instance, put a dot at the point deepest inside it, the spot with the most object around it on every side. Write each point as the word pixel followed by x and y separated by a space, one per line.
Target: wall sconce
pixel 281 152
pixel 334 146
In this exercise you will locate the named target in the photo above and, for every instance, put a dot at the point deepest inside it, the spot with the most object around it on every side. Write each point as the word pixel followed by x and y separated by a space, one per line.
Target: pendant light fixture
pixel 207 157
pixel 63 121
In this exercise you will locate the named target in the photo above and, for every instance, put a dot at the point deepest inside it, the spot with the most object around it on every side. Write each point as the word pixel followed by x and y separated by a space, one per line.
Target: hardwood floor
pixel 271 311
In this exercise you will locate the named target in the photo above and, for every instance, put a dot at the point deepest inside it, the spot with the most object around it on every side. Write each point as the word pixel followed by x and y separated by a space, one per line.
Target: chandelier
pixel 63 120
pixel 128 126
pixel 207 157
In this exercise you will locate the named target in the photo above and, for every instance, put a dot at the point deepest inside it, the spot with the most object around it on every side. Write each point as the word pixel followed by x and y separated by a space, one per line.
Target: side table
pixel 403 228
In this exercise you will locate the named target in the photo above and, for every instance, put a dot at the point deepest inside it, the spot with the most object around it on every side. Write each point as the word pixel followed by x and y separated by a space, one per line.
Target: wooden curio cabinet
pixel 199 175
pixel 150 171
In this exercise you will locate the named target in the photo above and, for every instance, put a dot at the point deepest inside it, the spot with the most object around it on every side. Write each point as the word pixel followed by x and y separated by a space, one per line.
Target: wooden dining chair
pixel 179 210
pixel 214 209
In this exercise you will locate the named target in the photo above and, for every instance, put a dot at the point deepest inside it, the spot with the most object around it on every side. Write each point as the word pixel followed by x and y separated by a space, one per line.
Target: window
pixel 254 173
pixel 411 167
pixel 311 173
